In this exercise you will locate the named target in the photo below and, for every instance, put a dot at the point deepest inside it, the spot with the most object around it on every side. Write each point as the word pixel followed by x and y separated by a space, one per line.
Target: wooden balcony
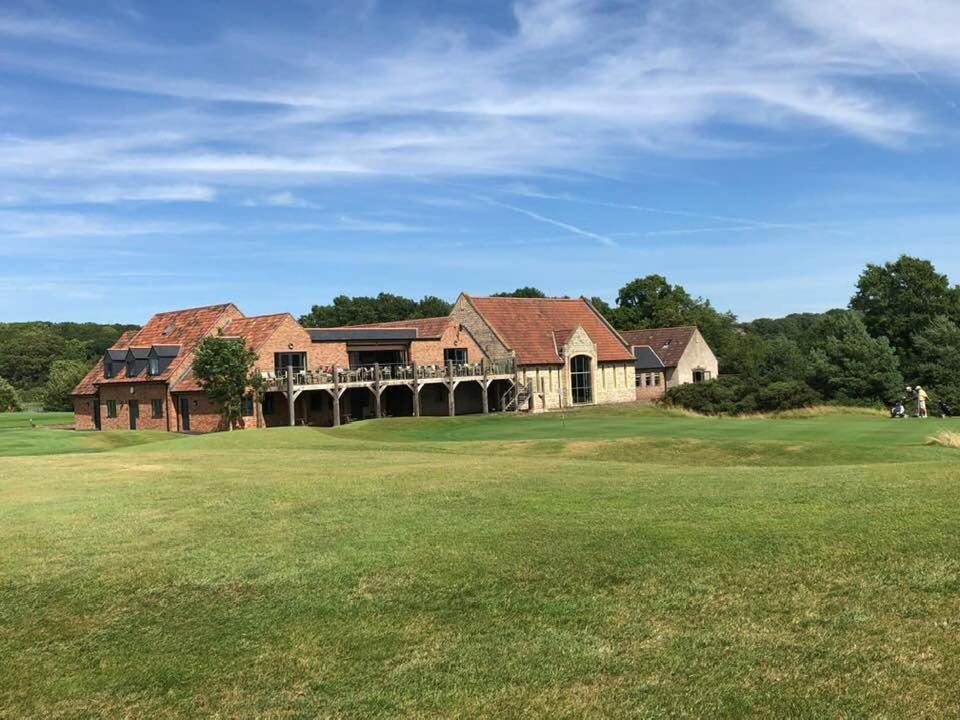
pixel 377 378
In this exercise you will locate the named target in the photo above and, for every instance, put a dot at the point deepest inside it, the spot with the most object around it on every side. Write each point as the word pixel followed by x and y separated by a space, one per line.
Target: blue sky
pixel 162 155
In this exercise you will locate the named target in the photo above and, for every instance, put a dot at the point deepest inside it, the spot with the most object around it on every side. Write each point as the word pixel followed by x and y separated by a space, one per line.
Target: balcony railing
pixel 333 375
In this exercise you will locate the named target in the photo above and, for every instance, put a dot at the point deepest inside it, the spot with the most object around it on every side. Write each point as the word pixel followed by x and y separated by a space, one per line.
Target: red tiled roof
pixel 425 327
pixel 185 328
pixel 668 343
pixel 535 328
pixel 87 386
pixel 255 330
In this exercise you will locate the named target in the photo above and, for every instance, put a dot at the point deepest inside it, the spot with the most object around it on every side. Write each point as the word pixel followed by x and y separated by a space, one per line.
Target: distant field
pixel 613 563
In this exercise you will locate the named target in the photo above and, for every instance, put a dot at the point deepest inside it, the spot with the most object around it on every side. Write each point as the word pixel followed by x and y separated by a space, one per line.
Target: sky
pixel 163 155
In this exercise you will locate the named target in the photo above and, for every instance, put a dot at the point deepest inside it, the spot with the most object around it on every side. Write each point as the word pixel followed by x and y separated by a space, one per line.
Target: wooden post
pixel 378 410
pixel 451 390
pixel 485 387
pixel 336 397
pixel 416 392
pixel 291 400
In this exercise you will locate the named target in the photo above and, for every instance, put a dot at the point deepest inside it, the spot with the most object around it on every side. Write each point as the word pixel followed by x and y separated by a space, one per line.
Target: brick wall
pixel 291 337
pixel 143 393
pixel 205 415
pixel 430 352
pixel 83 412
pixel 653 391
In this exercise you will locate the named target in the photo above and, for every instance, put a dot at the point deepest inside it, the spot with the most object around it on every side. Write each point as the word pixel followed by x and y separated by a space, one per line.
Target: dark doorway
pixel 134 413
pixel 397 401
pixel 96 412
pixel 185 414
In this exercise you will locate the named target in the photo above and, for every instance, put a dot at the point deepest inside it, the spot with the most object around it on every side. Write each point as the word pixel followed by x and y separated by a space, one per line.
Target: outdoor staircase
pixel 516 398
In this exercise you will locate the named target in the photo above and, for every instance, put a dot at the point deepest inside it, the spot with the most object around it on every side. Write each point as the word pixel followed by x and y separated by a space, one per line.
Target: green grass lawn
pixel 615 563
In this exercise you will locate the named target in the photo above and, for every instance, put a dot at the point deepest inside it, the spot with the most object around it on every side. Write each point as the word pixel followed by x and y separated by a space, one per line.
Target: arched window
pixel 581 379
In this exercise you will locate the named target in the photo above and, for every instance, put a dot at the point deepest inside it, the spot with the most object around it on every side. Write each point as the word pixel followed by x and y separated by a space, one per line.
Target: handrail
pixel 333 375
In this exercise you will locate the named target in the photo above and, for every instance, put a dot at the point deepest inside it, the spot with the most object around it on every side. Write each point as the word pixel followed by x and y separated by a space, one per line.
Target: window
pixel 111 408
pixel 581 379
pixel 297 360
pixel 246 406
pixel 638 378
pixel 156 408
pixel 268 404
pixel 648 380
pixel 154 366
pixel 656 379
pixel 700 376
pixel 108 371
pixel 458 356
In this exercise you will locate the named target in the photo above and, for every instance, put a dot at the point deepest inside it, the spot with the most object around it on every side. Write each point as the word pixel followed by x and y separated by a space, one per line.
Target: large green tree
pixel 522 292
pixel 61 380
pixel 652 301
pixel 363 309
pixel 9 397
pixel 848 365
pixel 898 299
pixel 224 368
pixel 937 354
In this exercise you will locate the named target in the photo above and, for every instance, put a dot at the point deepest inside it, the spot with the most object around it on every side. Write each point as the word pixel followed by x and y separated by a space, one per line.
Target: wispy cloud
pixel 602 239
pixel 574 84
pixel 285 199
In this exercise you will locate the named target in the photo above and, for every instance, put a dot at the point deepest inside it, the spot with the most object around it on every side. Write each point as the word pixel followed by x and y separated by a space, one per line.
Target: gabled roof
pixel 184 328
pixel 668 343
pixel 536 328
pixel 646 358
pixel 256 330
pixel 427 328
pixel 117 352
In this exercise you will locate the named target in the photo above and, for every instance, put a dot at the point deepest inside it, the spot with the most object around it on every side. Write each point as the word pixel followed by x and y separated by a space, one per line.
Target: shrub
pixel 789 395
pixel 725 395
pixel 9 398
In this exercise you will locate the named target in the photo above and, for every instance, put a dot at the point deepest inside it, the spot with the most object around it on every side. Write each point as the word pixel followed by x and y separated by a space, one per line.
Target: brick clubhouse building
pixel 491 354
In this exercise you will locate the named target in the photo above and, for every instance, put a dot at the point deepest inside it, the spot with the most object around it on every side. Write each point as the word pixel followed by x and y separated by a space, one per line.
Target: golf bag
pixel 944 410
pixel 898 409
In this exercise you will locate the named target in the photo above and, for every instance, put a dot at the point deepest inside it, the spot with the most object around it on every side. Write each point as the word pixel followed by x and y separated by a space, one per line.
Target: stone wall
pixel 697 356
pixel 465 314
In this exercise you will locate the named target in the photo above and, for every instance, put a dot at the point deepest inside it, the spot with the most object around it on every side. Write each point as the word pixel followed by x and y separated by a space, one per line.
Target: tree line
pixel 41 362
pixel 902 326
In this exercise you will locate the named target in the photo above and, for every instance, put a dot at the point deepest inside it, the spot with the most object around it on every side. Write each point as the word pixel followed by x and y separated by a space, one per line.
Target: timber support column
pixel 485 387
pixel 416 392
pixel 336 397
pixel 376 391
pixel 451 390
pixel 291 400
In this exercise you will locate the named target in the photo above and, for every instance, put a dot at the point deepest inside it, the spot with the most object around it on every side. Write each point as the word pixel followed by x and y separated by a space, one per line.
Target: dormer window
pixel 160 357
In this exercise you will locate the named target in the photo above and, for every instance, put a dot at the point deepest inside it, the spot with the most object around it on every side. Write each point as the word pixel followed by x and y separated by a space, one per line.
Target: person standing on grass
pixel 922 398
